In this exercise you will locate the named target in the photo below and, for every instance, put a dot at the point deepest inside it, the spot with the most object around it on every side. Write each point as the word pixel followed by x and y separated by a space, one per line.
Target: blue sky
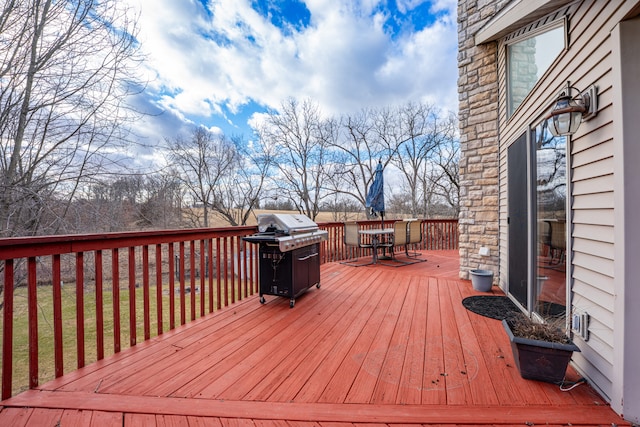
pixel 222 63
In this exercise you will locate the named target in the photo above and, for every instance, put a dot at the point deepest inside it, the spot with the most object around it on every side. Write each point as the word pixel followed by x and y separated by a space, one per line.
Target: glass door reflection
pixel 551 225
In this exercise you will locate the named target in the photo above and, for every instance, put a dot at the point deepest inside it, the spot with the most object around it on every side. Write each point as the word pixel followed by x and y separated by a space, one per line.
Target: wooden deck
pixel 374 345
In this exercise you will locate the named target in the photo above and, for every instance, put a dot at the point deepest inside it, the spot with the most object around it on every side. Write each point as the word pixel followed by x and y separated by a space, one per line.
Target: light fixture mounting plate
pixel 590 99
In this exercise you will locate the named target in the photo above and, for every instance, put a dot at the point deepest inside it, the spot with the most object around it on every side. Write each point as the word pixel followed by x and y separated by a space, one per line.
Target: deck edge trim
pixel 319 412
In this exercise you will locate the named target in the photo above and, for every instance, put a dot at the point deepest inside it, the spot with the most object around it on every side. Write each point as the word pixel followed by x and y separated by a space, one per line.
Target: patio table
pixel 376 235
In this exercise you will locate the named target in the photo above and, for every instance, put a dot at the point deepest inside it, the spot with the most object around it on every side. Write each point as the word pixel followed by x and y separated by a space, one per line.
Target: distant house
pixel 560 215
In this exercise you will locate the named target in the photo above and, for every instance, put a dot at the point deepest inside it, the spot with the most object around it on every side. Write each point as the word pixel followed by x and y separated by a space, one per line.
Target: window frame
pixel 527 33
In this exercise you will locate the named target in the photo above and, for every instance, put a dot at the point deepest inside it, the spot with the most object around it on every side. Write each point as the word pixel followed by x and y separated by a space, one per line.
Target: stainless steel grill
pixel 289 254
pixel 288 231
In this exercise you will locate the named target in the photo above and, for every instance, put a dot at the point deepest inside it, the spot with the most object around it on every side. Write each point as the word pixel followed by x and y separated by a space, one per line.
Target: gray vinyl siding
pixel 591 257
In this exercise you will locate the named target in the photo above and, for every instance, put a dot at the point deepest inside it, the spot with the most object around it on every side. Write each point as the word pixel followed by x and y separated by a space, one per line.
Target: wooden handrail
pixel 194 272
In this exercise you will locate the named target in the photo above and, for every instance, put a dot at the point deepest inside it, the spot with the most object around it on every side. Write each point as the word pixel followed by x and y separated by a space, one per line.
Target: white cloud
pixel 345 59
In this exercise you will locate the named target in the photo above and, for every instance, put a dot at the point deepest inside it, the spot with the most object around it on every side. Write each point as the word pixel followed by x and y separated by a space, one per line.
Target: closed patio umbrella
pixel 375 195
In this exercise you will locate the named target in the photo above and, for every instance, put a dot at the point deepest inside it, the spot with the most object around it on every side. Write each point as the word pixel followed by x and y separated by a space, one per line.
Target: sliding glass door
pixel 537 222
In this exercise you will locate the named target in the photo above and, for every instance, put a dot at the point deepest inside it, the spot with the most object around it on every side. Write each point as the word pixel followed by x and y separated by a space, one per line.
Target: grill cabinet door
pixel 275 271
pixel 306 265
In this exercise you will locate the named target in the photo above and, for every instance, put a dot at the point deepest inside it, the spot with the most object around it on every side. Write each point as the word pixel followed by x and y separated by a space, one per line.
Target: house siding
pixel 592 173
pixel 585 62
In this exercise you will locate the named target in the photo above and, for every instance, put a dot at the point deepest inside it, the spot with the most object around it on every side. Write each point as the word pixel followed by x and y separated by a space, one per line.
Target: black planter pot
pixel 540 360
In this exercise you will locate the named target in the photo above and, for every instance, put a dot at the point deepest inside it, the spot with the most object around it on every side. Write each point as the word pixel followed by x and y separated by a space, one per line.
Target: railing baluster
pixel 159 304
pixel 233 257
pixel 226 272
pixel 192 279
pixel 183 303
pixel 99 307
pixel 132 296
pixel 115 289
pixel 172 288
pixel 145 292
pixel 57 316
pixel 218 274
pixel 203 275
pixel 32 301
pixel 244 269
pixel 7 331
pixel 80 308
pixel 210 267
pixel 256 263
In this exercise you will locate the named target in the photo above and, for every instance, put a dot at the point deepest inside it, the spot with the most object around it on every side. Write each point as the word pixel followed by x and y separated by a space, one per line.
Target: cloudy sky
pixel 220 63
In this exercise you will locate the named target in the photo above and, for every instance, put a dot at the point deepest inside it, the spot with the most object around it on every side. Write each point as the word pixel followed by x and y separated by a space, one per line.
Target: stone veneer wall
pixel 479 148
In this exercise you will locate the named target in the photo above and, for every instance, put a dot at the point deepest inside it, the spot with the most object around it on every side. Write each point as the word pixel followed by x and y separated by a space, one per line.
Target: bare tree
pixel 441 184
pixel 370 136
pixel 301 138
pixel 203 162
pixel 65 75
pixel 161 203
pixel 424 158
pixel 239 190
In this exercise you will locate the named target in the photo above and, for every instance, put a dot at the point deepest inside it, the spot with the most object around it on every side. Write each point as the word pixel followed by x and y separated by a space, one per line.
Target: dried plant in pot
pixel 541 350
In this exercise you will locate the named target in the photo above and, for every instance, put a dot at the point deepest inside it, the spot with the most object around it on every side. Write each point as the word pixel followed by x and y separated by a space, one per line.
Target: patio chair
pixel 544 238
pixel 354 244
pixel 400 237
pixel 414 231
pixel 558 242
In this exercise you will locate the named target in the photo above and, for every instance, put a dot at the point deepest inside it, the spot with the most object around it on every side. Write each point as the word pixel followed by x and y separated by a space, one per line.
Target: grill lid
pixel 287 223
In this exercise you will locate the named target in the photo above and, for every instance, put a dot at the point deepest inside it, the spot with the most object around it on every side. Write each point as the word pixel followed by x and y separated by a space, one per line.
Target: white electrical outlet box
pixel 580 324
pixel 484 251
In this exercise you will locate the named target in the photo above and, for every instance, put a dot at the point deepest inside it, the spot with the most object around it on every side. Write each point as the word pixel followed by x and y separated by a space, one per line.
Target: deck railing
pixel 119 289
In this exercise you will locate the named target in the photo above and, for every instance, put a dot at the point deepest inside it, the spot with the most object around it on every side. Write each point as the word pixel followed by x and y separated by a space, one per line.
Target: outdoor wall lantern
pixel 569 111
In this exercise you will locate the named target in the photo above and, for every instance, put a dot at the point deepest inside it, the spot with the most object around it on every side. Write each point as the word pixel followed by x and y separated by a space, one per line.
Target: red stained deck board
pixel 242 344
pixel 455 375
pixel 410 382
pixel 312 358
pixel 433 384
pixel 313 412
pixel 390 340
pixel 322 329
pixel 345 360
pixel 386 388
pixel 266 353
pixel 373 359
pixel 136 357
pixel 481 385
pixel 193 360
